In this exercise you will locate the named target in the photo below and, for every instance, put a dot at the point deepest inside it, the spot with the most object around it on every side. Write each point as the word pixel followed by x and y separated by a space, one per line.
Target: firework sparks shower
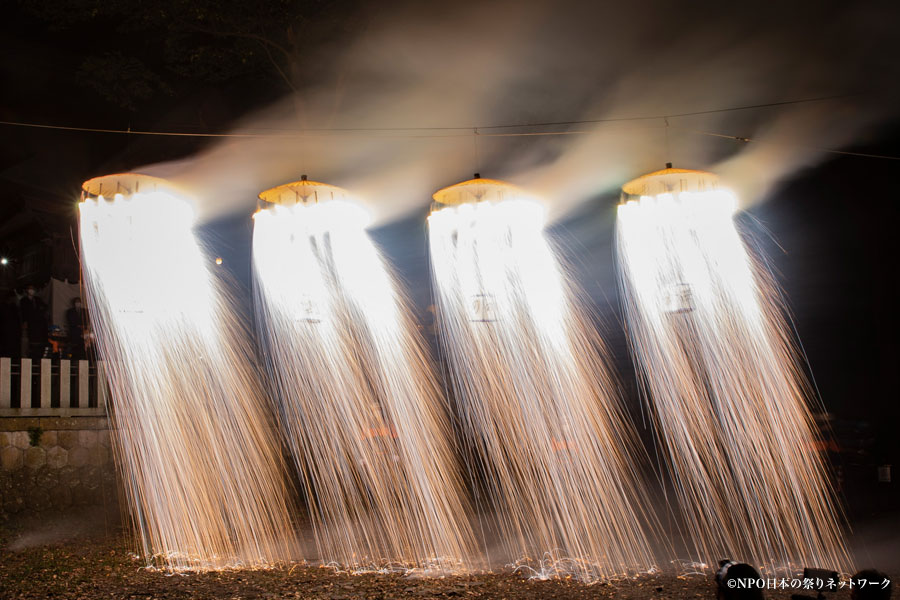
pixel 730 398
pixel 539 410
pixel 204 479
pixel 359 403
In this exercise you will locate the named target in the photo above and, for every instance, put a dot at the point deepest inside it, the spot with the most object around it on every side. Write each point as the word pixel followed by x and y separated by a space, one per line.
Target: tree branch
pixel 266 42
pixel 278 68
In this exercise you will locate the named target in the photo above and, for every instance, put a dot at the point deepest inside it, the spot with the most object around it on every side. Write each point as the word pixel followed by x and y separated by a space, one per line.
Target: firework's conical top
pixel 125 184
pixel 477 190
pixel 303 191
pixel 671 181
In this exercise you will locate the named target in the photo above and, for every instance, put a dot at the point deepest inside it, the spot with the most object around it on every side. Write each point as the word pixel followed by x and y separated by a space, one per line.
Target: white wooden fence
pixel 51 387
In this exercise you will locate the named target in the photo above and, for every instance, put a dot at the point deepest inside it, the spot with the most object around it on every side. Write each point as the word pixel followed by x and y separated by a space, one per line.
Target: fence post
pixel 83 383
pixel 101 384
pixel 65 384
pixel 44 400
pixel 5 374
pixel 25 383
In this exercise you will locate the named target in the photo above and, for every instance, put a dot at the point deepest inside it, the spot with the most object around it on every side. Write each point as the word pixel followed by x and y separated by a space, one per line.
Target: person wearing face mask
pixel 34 321
pixel 75 322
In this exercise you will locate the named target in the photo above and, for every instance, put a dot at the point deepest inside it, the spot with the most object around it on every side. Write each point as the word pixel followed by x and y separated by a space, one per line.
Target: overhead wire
pixel 465 131
pixel 750 140
pixel 467 128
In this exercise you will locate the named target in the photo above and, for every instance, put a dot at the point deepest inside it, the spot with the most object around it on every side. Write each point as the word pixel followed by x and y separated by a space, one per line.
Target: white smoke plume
pixel 473 65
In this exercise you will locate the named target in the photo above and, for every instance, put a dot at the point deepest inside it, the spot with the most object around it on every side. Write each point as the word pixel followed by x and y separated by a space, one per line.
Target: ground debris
pixel 104 568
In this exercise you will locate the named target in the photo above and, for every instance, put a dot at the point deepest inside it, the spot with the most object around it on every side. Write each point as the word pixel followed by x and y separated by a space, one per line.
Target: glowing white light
pixel 364 418
pixel 137 242
pixel 725 385
pixel 540 414
pixel 672 267
pixel 202 472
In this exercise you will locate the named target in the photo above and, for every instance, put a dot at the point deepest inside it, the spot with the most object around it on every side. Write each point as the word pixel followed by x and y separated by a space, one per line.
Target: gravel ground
pixel 91 567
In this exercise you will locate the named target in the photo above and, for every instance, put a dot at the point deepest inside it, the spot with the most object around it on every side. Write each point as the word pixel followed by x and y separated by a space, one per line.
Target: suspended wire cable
pixel 451 132
pixel 466 128
pixel 750 140
pixel 674 115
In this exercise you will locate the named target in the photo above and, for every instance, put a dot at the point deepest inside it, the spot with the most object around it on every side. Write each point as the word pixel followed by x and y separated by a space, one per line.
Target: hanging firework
pixel 543 423
pixel 204 479
pixel 358 400
pixel 723 379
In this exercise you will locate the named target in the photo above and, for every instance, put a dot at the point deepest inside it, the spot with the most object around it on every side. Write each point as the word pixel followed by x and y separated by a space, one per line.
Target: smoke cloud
pixel 468 66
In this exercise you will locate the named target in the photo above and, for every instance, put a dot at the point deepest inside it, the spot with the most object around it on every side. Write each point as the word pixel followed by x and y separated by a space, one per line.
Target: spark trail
pixel 359 403
pixel 722 376
pixel 204 479
pixel 539 410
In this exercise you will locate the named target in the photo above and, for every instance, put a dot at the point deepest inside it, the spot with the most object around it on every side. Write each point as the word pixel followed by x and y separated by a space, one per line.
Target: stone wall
pixel 54 464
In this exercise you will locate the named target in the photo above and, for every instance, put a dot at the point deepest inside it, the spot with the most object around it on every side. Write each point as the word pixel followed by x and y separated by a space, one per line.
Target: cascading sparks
pixel 203 475
pixel 722 376
pixel 359 403
pixel 544 425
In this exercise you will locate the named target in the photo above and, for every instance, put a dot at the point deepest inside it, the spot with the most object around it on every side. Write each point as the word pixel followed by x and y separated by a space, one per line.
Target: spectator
pixel 76 318
pixel 870 584
pixel 735 582
pixel 34 318
pixel 10 327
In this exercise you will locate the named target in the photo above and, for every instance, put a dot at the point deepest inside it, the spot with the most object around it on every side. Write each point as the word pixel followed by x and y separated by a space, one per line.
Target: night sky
pixel 827 222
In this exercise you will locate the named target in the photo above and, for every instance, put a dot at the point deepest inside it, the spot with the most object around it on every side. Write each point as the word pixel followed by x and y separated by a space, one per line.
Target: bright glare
pixel 547 439
pixel 358 399
pixel 138 242
pixel 202 471
pixel 725 385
